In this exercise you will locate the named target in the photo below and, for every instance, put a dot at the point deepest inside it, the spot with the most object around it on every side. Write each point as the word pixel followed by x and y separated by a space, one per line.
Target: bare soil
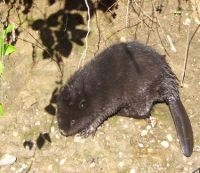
pixel 29 131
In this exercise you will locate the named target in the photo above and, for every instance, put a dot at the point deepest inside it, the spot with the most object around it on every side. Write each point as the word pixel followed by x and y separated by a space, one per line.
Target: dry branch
pixel 86 37
pixel 187 51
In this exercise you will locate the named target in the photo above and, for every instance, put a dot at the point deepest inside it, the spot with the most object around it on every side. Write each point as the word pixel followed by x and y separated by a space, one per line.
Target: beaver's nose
pixel 63 132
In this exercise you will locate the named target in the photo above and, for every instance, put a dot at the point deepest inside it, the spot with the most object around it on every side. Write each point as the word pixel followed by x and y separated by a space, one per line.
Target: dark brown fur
pixel 126 79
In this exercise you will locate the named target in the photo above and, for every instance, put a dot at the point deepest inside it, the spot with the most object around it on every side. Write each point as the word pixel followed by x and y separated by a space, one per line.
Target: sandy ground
pixel 121 144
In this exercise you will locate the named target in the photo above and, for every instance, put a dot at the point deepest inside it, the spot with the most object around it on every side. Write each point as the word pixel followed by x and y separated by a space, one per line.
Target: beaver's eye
pixel 72 122
pixel 82 105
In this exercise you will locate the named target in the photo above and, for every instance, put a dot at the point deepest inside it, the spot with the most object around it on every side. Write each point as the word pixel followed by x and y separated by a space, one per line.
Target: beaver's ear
pixel 64 93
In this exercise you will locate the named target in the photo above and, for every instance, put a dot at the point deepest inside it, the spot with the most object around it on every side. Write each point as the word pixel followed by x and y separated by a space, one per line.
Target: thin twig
pixel 2 61
pixel 57 59
pixel 99 32
pixel 127 12
pixel 158 24
pixel 162 41
pixel 150 29
pixel 149 32
pixel 109 8
pixel 187 51
pixel 86 37
pixel 144 13
pixel 121 29
pixel 37 42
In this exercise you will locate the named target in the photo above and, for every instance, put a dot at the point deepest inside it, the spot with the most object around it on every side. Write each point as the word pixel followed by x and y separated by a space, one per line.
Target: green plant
pixel 5 50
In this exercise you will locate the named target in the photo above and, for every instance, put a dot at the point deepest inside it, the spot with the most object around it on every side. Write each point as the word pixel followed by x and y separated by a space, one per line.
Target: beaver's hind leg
pixel 137 110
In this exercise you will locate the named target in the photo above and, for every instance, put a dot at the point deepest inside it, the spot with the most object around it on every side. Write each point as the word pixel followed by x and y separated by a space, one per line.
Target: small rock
pixel 7 159
pixel 123 39
pixel 24 128
pixel 187 22
pixel 15 134
pixel 52 129
pixel 92 165
pixel 121 164
pixel 50 168
pixel 165 144
pixel 79 139
pixel 120 154
pixel 197 20
pixel 57 136
pixel 37 123
pixel 37 112
pixel 169 137
pixel 132 170
pixel 148 127
pixel 186 169
pixel 185 85
pixel 140 145
pixel 22 169
pixel 153 121
pixel 144 132
pixel 125 126
pixel 13 169
pixel 62 161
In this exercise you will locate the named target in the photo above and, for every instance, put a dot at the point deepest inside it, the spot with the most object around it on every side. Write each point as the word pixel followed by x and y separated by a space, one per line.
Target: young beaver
pixel 126 79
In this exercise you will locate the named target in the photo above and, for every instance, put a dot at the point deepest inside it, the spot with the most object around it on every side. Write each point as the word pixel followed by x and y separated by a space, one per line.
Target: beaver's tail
pixel 183 126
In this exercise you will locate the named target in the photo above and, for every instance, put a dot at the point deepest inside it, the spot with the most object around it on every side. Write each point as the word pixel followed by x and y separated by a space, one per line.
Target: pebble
pixel 7 159
pixel 37 112
pixel 62 161
pixel 140 145
pixel 15 134
pixel 37 123
pixel 52 129
pixel 50 168
pixel 121 164
pixel 92 165
pixel 165 144
pixel 24 128
pixel 187 22
pixel 57 136
pixel 123 39
pixel 144 132
pixel 185 85
pixel 186 169
pixel 132 170
pixel 13 169
pixel 153 121
pixel 120 154
pixel 148 127
pixel 169 137
pixel 22 169
pixel 79 139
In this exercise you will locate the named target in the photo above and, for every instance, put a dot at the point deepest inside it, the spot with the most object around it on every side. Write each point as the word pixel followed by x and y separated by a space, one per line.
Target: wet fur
pixel 125 79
